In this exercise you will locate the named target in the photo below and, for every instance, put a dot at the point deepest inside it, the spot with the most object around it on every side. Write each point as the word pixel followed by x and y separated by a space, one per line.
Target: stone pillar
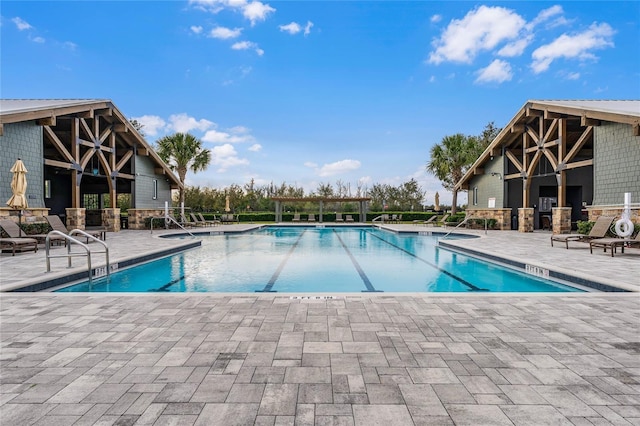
pixel 525 219
pixel 137 217
pixel 111 219
pixel 561 220
pixel 76 218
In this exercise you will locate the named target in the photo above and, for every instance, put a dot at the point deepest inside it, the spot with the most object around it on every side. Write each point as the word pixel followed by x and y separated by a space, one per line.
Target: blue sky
pixel 308 92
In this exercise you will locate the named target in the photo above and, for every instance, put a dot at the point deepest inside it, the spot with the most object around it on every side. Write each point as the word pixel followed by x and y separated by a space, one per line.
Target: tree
pixel 138 126
pixel 183 152
pixel 482 141
pixel 450 160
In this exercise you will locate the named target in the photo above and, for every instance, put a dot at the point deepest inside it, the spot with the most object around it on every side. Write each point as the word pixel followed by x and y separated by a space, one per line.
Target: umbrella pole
pixel 20 221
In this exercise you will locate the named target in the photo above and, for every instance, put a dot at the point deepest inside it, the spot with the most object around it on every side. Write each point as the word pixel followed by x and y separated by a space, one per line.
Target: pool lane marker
pixel 276 274
pixel 365 279
pixel 455 277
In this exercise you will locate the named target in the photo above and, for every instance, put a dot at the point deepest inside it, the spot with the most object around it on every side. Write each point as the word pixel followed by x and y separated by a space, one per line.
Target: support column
pixel 525 219
pixel 76 218
pixel 561 220
pixel 278 212
pixel 321 204
pixel 111 219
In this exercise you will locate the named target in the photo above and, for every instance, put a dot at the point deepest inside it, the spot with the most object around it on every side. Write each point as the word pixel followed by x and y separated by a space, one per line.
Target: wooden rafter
pixel 57 143
pixel 125 158
pixel 514 160
pixel 579 144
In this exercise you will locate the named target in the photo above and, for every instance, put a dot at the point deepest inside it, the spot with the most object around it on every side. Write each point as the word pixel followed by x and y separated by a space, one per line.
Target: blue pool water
pixel 340 259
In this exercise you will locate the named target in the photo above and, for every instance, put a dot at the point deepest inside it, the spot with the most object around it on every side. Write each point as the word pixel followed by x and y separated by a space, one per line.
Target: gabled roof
pixel 616 111
pixel 20 110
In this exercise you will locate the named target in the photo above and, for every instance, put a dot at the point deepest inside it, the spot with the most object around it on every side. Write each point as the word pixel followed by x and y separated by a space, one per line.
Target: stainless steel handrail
pixel 466 219
pixel 69 238
pixel 170 219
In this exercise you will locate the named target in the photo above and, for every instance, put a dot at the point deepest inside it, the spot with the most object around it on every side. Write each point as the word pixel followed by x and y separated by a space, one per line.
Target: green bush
pixel 584 226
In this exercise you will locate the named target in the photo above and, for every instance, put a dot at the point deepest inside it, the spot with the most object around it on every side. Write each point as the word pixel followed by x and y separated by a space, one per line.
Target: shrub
pixel 584 226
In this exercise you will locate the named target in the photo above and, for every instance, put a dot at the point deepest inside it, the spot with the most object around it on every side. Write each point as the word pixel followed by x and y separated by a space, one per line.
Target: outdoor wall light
pixel 497 174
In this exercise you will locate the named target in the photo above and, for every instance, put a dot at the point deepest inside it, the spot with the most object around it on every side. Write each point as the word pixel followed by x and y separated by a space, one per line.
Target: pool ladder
pixel 69 240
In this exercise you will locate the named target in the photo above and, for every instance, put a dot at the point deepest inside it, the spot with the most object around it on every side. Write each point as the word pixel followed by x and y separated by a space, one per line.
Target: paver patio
pixel 353 359
pixel 207 359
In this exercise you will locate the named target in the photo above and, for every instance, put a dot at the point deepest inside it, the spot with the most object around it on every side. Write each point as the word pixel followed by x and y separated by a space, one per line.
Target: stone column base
pixel 111 219
pixel 76 218
pixel 137 217
pixel 525 219
pixel 561 220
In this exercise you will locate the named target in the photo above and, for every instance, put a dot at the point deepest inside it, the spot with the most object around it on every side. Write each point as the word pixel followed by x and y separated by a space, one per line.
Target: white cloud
pixel 256 11
pixel 38 39
pixel 307 28
pixel 246 45
pixel 225 156
pixel 255 147
pixel 239 129
pixel 310 164
pixel 573 76
pixel 578 46
pixel 498 71
pixel 183 123
pixel 516 48
pixel 196 29
pixel 215 136
pixel 481 29
pixel 152 124
pixel 545 15
pixel 21 24
pixel 435 19
pixel 292 28
pixel 70 45
pixel 339 167
pixel 224 33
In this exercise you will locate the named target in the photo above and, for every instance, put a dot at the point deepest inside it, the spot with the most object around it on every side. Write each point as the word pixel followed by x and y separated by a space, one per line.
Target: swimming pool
pixel 319 259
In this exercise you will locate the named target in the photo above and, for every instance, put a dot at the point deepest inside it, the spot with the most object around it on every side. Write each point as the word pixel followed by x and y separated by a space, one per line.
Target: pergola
pixel 362 204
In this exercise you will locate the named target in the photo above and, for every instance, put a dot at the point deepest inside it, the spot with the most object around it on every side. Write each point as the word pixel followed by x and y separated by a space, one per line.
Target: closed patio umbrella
pixel 18 200
pixel 226 205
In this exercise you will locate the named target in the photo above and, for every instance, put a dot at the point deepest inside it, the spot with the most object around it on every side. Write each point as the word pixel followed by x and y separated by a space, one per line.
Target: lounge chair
pixel 430 221
pixel 18 242
pixel 339 217
pixel 613 243
pixel 599 230
pixel 14 231
pixel 312 218
pixel 296 217
pixel 56 223
pixel 442 221
pixel 213 222
pixel 394 218
pixel 349 218
pixel 186 222
pixel 197 221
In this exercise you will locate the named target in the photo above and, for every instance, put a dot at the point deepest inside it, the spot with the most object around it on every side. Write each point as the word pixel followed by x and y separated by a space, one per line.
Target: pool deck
pixel 352 359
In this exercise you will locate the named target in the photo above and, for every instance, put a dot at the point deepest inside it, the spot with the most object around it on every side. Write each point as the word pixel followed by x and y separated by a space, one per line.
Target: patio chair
pixel 13 231
pixel 339 217
pixel 599 230
pixel 17 242
pixel 197 221
pixel 349 218
pixel 296 217
pixel 185 222
pixel 312 218
pixel 613 243
pixel 212 222
pixel 430 221
pixel 56 223
pixel 442 222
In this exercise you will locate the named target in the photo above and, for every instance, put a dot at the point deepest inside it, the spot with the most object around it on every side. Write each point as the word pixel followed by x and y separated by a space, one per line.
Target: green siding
pixel 616 164
pixel 145 176
pixel 488 186
pixel 22 140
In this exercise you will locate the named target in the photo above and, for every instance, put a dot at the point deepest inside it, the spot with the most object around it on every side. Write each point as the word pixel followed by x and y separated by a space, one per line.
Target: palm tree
pixel 449 160
pixel 183 152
